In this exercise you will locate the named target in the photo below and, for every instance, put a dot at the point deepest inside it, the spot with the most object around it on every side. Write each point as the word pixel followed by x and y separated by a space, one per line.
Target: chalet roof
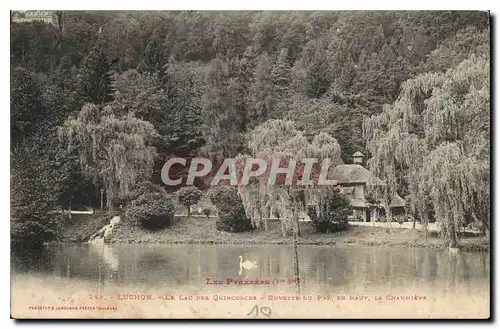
pixel 397 201
pixel 358 154
pixel 354 173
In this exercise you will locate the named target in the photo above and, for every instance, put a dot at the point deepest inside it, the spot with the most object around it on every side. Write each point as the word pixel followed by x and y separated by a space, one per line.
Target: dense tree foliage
pixel 339 55
pixel 36 186
pixel 25 103
pixel 144 86
pixel 154 57
pixel 150 207
pixel 45 178
pixel 435 139
pixel 114 150
pixel 188 196
pixel 333 213
pixel 280 140
pixel 95 78
pixel 232 216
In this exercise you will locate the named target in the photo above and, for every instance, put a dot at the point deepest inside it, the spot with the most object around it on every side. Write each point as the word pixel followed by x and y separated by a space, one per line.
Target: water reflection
pixel 324 267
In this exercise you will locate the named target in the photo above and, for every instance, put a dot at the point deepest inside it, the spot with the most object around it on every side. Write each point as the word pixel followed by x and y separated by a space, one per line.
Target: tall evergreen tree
pixel 25 103
pixel 261 98
pixel 182 118
pixel 311 72
pixel 247 65
pixel 154 57
pixel 95 77
pixel 223 121
pixel 281 80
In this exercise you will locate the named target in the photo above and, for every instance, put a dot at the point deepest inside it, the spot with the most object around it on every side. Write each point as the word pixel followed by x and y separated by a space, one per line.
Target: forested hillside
pixel 95 84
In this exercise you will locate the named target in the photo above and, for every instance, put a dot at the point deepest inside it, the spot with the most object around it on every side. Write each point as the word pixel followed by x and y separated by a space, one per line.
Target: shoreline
pixel 197 230
pixel 469 247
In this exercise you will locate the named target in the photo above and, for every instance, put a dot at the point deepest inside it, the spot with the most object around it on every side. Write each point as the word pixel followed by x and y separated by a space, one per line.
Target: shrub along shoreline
pixel 202 230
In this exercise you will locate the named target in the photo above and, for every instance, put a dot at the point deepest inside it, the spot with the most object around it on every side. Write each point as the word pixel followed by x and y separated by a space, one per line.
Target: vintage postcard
pixel 250 164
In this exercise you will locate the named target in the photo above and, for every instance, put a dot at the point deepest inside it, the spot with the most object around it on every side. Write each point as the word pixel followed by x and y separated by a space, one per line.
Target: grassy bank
pixel 81 227
pixel 200 230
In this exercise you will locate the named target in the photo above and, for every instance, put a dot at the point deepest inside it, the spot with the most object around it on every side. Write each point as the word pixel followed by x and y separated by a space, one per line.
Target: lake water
pixel 325 270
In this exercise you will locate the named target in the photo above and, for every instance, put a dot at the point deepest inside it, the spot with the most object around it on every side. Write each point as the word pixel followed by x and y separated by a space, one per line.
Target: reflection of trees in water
pixel 67 261
pixel 359 269
pixel 286 263
pixel 460 268
pixel 324 266
pixel 227 265
pixel 485 264
pixel 352 268
pixel 108 255
pixel 153 266
pixel 33 260
pixel 164 264
pixel 192 264
pixel 98 263
pixel 158 264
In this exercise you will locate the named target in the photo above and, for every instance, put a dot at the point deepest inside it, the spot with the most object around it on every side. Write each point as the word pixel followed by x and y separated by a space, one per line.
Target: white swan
pixel 248 264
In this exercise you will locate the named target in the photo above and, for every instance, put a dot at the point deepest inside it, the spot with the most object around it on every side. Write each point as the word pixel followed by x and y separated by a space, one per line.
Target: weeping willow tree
pixel 435 140
pixel 114 150
pixel 279 140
